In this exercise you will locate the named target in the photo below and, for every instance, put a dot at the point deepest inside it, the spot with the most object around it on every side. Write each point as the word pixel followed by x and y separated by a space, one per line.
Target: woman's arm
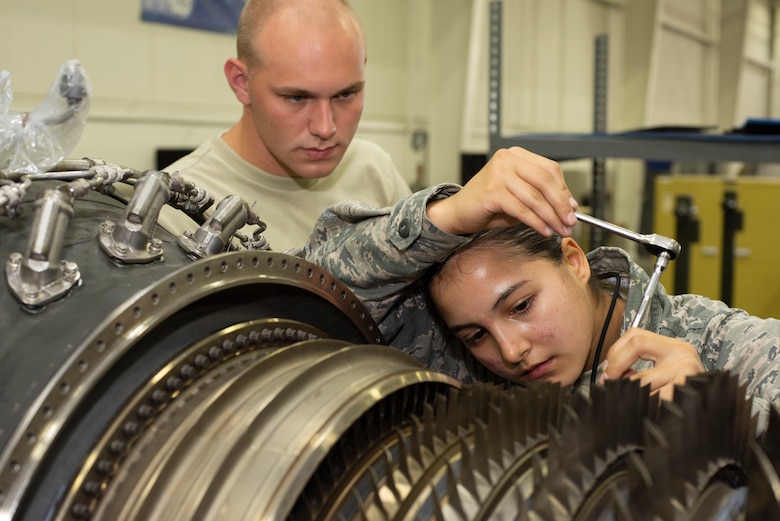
pixel 366 246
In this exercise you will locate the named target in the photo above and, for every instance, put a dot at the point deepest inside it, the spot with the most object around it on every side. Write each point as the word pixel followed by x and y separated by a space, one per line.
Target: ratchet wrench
pixel 664 248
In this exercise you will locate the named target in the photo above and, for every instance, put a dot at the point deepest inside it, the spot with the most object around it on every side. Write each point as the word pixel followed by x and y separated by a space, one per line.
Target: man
pixel 300 76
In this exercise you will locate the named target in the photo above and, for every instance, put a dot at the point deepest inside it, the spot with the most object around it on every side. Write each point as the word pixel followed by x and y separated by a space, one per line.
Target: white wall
pixel 153 85
pixel 670 63
pixel 159 86
pixel 162 86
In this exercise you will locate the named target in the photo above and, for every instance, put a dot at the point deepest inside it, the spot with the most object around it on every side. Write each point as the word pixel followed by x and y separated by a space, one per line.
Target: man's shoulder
pixel 206 150
pixel 361 147
pixel 366 158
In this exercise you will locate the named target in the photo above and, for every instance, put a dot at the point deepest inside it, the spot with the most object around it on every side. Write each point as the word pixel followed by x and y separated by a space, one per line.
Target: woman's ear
pixel 237 76
pixel 574 257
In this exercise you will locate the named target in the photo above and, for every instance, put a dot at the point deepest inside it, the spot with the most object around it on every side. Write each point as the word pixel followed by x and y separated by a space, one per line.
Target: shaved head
pixel 314 13
pixel 300 75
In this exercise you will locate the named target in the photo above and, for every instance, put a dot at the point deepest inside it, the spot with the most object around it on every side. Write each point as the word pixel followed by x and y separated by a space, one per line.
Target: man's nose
pixel 322 123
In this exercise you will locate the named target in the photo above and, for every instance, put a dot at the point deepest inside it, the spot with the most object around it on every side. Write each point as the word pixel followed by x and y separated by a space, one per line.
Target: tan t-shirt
pixel 288 206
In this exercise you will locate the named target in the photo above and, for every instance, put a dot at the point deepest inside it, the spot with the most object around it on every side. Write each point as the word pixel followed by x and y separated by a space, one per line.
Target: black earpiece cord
pixel 615 293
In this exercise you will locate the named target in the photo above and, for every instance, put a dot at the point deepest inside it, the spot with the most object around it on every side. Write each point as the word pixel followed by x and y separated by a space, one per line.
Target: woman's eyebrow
pixel 457 329
pixel 500 300
pixel 506 293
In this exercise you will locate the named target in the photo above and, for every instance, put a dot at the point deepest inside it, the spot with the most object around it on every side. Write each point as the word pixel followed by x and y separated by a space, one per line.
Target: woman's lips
pixel 538 371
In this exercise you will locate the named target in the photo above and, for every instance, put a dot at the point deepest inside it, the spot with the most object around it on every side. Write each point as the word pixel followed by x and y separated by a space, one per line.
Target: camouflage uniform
pixel 381 254
pixel 725 338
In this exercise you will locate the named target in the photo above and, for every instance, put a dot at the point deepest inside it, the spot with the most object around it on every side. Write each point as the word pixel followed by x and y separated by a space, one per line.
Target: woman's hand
pixel 514 186
pixel 674 360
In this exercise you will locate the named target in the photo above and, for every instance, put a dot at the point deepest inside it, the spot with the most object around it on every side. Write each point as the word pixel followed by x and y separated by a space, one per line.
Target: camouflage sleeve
pixel 730 339
pixel 727 339
pixel 380 251
pixel 750 347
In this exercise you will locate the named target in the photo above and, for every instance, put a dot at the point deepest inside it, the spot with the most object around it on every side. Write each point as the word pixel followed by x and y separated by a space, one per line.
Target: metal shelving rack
pixel 646 145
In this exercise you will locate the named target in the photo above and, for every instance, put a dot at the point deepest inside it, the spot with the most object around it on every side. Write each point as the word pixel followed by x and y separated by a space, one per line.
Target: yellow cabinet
pixel 756 278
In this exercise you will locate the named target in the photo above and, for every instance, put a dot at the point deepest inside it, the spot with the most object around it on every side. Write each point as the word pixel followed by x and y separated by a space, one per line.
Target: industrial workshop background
pixel 693 64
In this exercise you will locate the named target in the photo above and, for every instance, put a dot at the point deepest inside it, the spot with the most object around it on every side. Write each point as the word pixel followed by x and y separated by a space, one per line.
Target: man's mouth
pixel 320 152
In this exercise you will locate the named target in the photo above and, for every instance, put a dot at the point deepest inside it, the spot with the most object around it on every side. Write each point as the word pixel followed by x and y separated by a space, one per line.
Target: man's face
pixel 306 98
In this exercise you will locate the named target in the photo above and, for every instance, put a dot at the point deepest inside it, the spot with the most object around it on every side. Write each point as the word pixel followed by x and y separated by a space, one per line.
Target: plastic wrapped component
pixel 33 142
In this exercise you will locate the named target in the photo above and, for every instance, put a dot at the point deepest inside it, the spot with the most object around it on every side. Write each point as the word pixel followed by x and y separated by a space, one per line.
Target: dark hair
pixel 518 240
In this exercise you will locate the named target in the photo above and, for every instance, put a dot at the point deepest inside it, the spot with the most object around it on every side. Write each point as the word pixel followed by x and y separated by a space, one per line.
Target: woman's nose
pixel 513 348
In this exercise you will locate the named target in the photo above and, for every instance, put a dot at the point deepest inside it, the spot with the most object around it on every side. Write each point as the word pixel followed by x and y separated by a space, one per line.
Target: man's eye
pixel 346 95
pixel 294 99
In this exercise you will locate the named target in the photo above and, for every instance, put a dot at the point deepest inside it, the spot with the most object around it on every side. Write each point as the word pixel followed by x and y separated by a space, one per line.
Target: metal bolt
pixel 107 226
pixel 70 271
pixel 155 246
pixel 14 261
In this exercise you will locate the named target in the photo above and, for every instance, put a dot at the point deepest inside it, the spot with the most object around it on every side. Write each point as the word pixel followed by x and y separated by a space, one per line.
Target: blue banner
pixel 210 15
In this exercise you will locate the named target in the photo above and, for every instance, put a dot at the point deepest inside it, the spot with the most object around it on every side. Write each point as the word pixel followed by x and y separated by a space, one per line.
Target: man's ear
pixel 238 78
pixel 575 258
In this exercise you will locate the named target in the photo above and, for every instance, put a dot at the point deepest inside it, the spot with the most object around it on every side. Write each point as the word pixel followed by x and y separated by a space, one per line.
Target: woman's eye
pixel 474 339
pixel 523 306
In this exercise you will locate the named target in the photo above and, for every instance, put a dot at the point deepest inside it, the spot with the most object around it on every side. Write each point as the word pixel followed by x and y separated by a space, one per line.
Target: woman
pixel 534 308
pixel 527 304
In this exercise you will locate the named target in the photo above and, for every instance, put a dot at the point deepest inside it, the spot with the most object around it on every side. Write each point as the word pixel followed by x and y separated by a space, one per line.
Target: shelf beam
pixel 649 146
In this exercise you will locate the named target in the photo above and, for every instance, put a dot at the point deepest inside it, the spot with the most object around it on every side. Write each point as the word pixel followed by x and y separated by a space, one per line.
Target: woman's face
pixel 523 319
